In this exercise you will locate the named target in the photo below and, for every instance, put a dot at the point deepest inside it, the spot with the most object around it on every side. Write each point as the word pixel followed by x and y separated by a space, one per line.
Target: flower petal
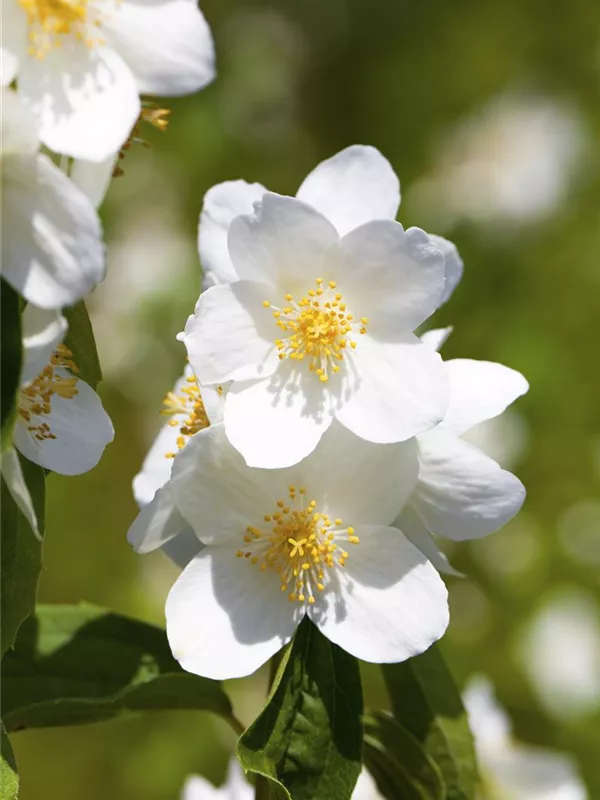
pixel 416 532
pixel 85 100
pixel 94 177
pixel 229 336
pixel 397 390
pixel 43 331
pixel 18 136
pixel 391 602
pixel 358 480
pixel 13 40
pixel 156 523
pixel 453 264
pixel 216 492
pixel 224 620
pixel 183 547
pixel 531 773
pixel 479 390
pixel 393 277
pixel 278 421
pixel 461 493
pixel 82 429
pixel 52 251
pixel 355 186
pixel 436 337
pixel 222 204
pixel 16 485
pixel 167 44
pixel 282 243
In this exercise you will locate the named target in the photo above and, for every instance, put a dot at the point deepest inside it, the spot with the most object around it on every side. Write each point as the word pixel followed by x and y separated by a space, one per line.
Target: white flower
pixel 80 64
pixel 237 788
pixel 52 251
pixel 190 410
pixel 319 326
pixel 61 424
pixel 513 770
pixel 314 540
pixel 461 493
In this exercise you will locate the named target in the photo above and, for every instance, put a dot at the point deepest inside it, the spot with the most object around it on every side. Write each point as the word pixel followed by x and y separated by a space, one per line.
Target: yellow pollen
pixel 35 399
pixel 186 408
pixel 318 328
pixel 298 545
pixel 50 21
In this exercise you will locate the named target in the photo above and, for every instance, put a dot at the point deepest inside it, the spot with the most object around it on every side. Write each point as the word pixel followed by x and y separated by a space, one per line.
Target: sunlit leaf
pixel 9 777
pixel 307 740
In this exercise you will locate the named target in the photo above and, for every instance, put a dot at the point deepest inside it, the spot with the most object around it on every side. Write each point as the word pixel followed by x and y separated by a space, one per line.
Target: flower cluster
pixel 72 75
pixel 313 451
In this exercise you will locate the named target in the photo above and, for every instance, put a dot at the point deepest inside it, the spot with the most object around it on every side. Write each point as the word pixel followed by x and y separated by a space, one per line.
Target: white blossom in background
pixel 318 321
pixel 52 249
pixel 461 493
pixel 81 65
pixel 61 424
pixel 190 410
pixel 313 539
pixel 512 161
pixel 510 769
pixel 236 787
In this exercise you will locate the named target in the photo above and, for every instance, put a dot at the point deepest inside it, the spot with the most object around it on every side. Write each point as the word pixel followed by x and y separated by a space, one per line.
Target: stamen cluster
pixel 188 402
pixel 299 544
pixel 319 327
pixel 50 20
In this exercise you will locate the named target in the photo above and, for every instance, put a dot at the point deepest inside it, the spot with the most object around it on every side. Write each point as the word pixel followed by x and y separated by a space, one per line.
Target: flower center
pixel 318 327
pixel 35 399
pixel 298 543
pixel 50 20
pixel 186 408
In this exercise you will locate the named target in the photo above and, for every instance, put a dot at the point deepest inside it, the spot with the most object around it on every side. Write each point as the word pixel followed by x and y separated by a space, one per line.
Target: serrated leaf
pixel 21 555
pixel 81 342
pixel 9 777
pixel 308 739
pixel 398 762
pixel 11 351
pixel 80 664
pixel 425 700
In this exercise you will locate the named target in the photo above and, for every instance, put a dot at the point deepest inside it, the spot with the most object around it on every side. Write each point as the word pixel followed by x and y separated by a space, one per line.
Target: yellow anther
pixel 186 408
pixel 332 285
pixel 266 304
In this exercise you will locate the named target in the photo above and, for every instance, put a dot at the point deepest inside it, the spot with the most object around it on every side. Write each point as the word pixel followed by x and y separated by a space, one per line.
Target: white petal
pixel 82 429
pixel 461 493
pixel 213 398
pixel 231 336
pixel 453 264
pixel 224 620
pixel 392 604
pixel 366 788
pixel 18 136
pixel 15 483
pixel 157 523
pixel 167 44
pixel 222 204
pixel 479 390
pixel 397 390
pixel 52 251
pixel 156 469
pixel 13 40
pixel 355 186
pixel 530 773
pixel 277 421
pixel 183 547
pixel 358 480
pixel 217 493
pixel 84 99
pixel 94 177
pixel 283 243
pixel 416 532
pixel 490 723
pixel 436 337
pixel 43 331
pixel 393 277
pixel 236 787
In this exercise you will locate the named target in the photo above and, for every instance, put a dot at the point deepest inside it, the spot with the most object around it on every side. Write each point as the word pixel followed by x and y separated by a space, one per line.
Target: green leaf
pixel 398 762
pixel 9 777
pixel 78 664
pixel 81 342
pixel 21 555
pixel 308 739
pixel 11 357
pixel 425 700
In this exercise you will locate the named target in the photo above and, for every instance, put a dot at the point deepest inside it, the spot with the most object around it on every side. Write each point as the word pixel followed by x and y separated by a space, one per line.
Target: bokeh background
pixel 490 114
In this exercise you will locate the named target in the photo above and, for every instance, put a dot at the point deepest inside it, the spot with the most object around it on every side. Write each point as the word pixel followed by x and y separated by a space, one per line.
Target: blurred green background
pixel 490 114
